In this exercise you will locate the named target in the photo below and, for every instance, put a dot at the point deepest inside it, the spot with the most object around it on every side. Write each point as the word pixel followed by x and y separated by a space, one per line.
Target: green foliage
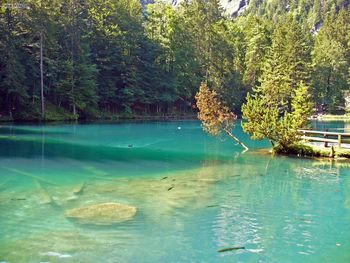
pixel 261 121
pixel 116 57
pixel 288 62
pixel 331 58
pixel 264 120
pixel 258 43
pixel 302 106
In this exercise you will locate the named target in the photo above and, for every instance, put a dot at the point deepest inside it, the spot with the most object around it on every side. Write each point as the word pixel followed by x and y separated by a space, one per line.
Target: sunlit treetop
pixel 215 117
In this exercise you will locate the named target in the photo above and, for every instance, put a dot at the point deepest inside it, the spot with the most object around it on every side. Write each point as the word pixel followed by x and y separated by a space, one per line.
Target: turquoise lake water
pixel 194 195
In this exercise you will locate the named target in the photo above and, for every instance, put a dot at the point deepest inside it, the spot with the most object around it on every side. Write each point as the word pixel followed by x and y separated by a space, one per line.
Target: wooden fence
pixel 326 137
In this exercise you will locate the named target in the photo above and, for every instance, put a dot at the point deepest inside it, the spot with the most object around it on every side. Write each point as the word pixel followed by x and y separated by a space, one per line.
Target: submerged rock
pixel 71 198
pixel 102 214
pixel 44 196
pixel 78 189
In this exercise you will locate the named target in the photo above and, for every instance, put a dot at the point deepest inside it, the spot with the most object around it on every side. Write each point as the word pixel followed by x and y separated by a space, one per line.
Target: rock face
pixel 234 7
pixel 102 214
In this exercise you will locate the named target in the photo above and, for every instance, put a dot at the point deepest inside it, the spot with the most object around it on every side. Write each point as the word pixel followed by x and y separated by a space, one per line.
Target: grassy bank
pixel 331 117
pixel 307 150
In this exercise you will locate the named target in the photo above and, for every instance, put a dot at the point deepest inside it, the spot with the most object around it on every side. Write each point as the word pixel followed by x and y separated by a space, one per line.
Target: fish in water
pixel 170 188
pixel 165 177
pixel 130 145
pixel 230 249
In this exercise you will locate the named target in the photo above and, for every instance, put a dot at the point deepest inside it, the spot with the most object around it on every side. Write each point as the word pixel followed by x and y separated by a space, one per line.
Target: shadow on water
pixel 23 131
pixel 24 148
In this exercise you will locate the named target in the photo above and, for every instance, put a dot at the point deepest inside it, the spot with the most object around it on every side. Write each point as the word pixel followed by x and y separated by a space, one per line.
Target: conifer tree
pixel 288 63
pixel 265 120
pixel 275 81
pixel 257 46
pixel 116 57
pixel 330 66
pixel 13 91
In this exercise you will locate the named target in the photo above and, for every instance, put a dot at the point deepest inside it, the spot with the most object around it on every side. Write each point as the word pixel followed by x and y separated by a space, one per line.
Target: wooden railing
pixel 325 136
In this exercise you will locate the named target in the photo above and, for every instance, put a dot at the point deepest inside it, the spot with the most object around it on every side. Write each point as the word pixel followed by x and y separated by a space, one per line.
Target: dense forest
pixel 84 59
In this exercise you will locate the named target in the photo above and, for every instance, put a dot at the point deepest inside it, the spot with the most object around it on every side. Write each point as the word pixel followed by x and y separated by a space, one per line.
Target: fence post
pixel 325 136
pixel 339 140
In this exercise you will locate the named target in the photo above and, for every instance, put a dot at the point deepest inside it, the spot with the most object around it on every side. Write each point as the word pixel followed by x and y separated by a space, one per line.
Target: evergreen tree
pixel 330 60
pixel 267 121
pixel 13 91
pixel 288 63
pixel 77 76
pixel 258 43
pixel 92 57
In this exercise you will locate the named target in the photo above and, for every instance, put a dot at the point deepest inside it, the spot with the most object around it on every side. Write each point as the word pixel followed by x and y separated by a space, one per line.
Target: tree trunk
pixel 42 77
pixel 236 139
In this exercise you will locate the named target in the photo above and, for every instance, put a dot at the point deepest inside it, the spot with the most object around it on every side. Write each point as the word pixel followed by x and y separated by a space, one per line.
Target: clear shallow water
pixel 280 209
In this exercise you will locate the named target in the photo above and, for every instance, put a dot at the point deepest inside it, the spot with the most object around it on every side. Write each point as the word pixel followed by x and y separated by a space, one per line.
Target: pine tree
pixel 281 130
pixel 13 90
pixel 77 77
pixel 275 81
pixel 257 46
pixel 330 66
pixel 288 63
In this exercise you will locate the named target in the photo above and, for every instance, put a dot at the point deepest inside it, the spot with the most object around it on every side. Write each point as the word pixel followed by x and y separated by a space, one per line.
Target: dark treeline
pixel 113 57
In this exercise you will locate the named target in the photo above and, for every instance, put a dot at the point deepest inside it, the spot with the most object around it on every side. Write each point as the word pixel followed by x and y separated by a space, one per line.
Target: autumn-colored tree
pixel 215 116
